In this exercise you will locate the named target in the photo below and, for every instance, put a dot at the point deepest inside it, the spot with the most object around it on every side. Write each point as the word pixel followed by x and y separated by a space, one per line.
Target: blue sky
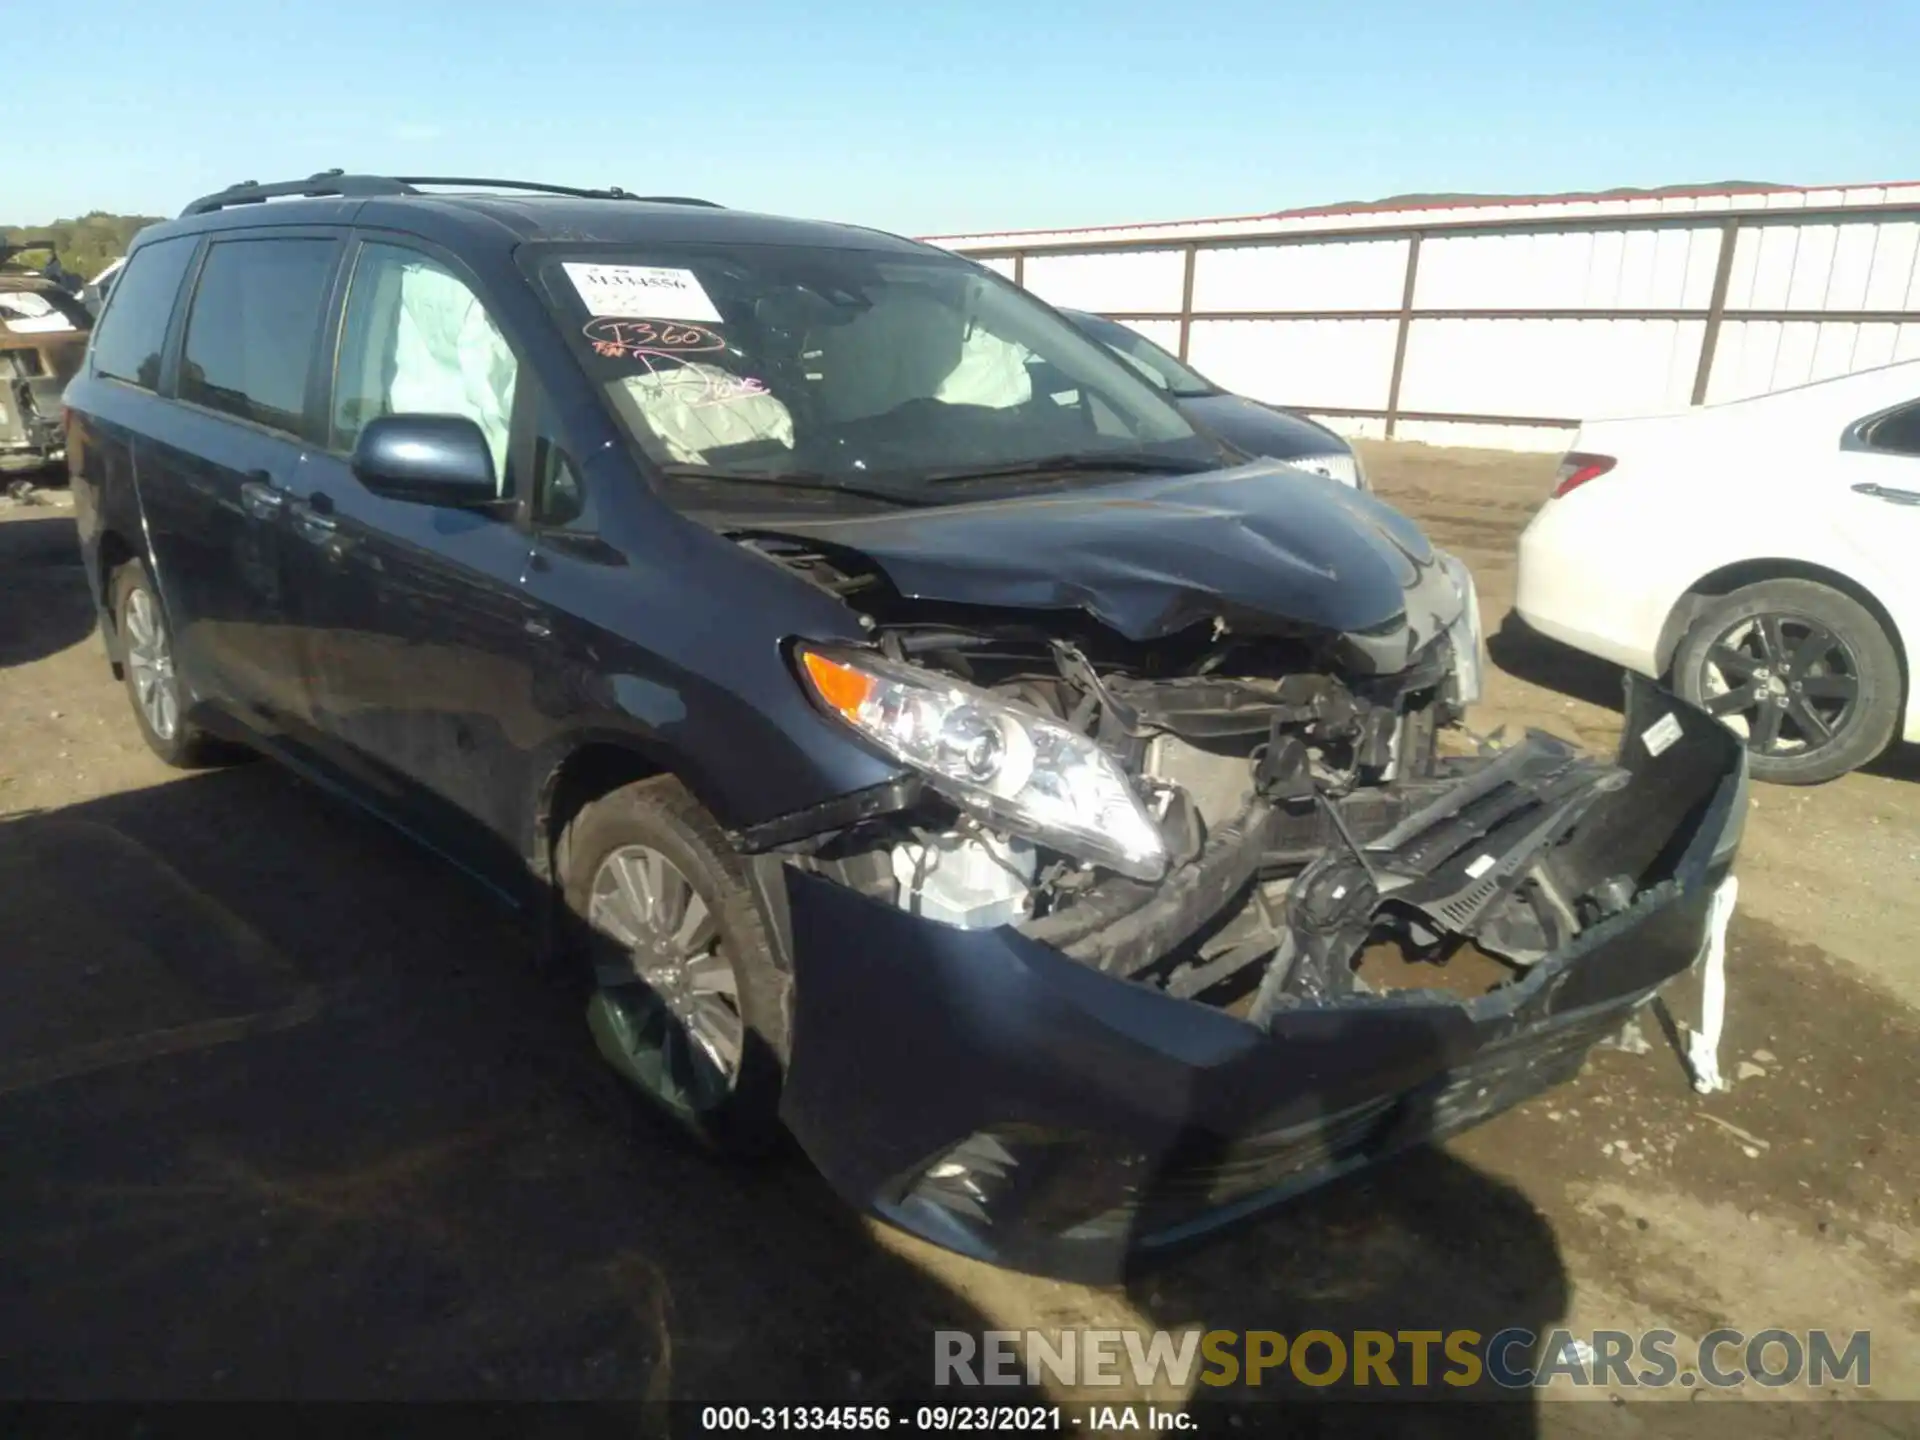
pixel 986 114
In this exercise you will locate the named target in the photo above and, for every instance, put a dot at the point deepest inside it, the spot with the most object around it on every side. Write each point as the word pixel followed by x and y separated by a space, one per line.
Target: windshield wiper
pixel 791 480
pixel 1128 462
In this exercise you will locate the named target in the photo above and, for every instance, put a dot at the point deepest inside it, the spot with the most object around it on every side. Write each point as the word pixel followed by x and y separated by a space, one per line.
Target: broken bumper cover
pixel 987 1092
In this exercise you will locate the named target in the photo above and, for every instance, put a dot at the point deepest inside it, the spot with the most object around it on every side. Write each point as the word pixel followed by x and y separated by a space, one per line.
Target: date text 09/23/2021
pixel 983 1419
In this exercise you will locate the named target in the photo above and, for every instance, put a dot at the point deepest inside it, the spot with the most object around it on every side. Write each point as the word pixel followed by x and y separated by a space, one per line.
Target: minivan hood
pixel 1259 429
pixel 1260 546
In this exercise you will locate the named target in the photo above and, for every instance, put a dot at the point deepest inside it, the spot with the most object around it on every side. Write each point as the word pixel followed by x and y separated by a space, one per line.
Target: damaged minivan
pixel 915 734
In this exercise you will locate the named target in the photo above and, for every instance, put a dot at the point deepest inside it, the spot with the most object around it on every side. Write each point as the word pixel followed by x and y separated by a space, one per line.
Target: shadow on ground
pixel 291 1114
pixel 1526 654
pixel 1416 1251
pixel 1897 762
pixel 42 610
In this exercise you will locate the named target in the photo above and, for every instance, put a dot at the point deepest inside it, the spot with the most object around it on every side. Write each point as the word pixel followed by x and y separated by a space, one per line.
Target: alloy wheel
pixel 150 659
pixel 667 1011
pixel 1786 684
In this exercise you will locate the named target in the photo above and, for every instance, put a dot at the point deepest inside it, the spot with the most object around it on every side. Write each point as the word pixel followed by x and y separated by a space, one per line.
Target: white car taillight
pixel 1576 469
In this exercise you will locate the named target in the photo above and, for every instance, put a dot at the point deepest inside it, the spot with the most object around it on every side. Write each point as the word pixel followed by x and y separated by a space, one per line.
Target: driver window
pixel 417 341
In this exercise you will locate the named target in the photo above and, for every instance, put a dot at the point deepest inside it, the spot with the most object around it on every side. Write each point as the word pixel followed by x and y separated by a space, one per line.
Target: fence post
pixel 1186 298
pixel 1716 309
pixel 1400 336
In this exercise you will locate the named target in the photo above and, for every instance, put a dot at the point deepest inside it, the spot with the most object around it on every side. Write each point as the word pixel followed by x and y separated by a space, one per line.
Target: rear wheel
pixel 153 683
pixel 685 999
pixel 1803 674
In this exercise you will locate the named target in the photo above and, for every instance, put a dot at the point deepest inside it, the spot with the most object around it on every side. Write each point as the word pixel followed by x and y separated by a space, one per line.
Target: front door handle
pixel 313 517
pixel 312 525
pixel 258 497
pixel 1889 494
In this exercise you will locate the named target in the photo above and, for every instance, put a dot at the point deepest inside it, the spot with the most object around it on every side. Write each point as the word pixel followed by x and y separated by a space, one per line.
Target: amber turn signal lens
pixel 841 686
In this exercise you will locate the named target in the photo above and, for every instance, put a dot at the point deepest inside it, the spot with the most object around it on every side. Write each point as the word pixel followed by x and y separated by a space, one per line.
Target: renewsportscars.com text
pixel 1513 1359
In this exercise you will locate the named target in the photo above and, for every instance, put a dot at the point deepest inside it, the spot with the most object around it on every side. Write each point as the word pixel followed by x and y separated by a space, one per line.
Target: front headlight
pixel 1343 466
pixel 1469 643
pixel 1006 763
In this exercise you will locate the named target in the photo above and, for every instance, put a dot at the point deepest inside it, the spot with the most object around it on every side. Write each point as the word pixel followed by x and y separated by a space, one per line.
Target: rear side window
pixel 1895 433
pixel 250 334
pixel 133 332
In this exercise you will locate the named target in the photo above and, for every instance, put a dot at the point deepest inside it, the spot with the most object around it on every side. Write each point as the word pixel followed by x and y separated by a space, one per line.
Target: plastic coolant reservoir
pixel 973 881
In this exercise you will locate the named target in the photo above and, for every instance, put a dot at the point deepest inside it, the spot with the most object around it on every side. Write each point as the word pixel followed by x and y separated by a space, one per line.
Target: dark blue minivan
pixel 915 732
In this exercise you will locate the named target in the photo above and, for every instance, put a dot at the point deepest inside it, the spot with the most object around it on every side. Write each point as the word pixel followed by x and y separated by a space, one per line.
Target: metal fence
pixel 1687 313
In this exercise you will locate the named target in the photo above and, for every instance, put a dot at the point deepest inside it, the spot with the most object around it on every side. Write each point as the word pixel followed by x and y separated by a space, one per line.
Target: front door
pixel 419 639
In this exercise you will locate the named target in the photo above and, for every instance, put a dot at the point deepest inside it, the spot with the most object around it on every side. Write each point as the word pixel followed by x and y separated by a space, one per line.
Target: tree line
pixel 85 245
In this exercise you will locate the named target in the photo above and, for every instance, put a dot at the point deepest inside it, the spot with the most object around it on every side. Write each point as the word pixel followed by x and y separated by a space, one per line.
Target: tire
pixel 145 642
pixel 663 1032
pixel 1748 655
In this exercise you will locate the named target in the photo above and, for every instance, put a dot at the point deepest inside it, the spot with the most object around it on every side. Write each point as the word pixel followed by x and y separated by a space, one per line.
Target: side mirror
pixel 427 460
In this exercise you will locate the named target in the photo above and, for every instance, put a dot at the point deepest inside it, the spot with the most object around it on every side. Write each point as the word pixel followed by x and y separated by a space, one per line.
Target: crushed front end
pixel 1317 936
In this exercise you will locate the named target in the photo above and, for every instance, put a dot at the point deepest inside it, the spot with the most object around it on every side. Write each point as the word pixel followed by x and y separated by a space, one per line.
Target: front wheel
pixel 1802 673
pixel 684 997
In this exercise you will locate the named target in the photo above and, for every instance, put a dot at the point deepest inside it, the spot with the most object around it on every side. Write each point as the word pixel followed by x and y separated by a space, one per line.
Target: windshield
pixel 885 371
pixel 1176 377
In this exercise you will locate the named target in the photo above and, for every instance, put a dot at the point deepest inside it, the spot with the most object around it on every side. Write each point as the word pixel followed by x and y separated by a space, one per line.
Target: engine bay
pixel 1328 832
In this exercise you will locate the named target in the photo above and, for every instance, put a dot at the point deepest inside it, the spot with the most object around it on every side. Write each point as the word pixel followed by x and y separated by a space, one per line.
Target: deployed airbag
pixel 449 359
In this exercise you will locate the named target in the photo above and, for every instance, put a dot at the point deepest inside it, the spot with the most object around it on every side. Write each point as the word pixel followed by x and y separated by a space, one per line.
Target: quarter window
pixel 417 341
pixel 251 332
pixel 1895 433
pixel 128 343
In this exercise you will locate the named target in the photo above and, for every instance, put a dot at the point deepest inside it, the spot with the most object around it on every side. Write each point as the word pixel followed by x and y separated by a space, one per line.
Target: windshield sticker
pixel 615 338
pixel 655 291
pixel 730 390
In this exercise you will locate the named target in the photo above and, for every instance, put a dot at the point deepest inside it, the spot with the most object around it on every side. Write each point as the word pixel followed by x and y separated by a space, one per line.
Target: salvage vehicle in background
pixel 94 295
pixel 917 732
pixel 1761 553
pixel 43 335
pixel 1264 430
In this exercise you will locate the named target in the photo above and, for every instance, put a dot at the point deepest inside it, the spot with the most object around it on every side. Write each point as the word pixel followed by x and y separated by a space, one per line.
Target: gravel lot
pixel 287 1112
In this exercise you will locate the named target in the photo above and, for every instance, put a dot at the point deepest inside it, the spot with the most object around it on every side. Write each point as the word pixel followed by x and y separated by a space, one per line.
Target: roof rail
pixel 327 182
pixel 611 192
pixel 338 182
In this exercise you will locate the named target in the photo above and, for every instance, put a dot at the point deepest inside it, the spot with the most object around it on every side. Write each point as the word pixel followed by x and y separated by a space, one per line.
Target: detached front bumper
pixel 987 1092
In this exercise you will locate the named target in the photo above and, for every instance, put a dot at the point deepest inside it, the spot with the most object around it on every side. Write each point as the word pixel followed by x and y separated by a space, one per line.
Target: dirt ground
pixel 285 1110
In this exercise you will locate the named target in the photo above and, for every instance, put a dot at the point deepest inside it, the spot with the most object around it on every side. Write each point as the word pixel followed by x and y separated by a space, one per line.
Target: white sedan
pixel 1765 554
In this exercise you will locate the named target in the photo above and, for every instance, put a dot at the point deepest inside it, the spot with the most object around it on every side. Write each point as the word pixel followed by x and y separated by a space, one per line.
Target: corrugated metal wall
pixel 1507 324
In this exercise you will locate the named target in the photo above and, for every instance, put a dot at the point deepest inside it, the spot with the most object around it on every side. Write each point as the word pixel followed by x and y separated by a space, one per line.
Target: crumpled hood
pixel 1261 546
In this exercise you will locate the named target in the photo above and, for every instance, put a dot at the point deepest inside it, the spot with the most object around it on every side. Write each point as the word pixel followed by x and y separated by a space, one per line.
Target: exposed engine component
pixel 1306 824
pixel 1218 779
pixel 975 880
